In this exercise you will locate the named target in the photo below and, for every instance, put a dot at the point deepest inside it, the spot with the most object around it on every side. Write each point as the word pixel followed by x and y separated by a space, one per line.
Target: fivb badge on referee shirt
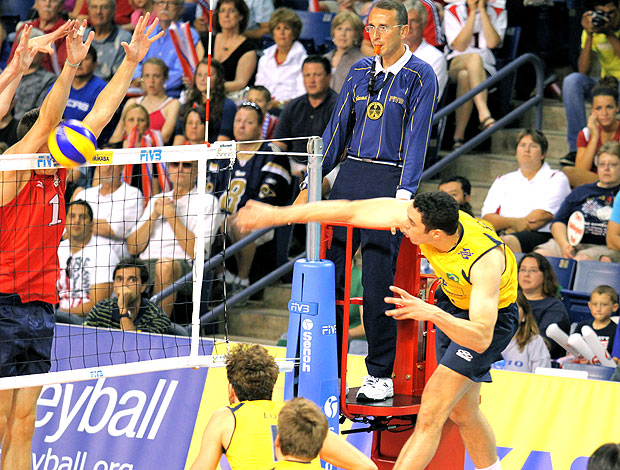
pixel 374 110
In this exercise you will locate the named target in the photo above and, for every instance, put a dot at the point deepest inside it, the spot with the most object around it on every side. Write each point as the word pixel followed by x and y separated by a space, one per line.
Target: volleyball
pixel 72 143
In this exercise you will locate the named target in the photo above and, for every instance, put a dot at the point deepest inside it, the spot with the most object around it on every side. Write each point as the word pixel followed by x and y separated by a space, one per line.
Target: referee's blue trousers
pixel 364 180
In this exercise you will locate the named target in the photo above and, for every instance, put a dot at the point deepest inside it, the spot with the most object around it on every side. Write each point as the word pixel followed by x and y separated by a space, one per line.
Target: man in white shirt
pixel 117 207
pixel 419 47
pixel 165 235
pixel 86 263
pixel 521 204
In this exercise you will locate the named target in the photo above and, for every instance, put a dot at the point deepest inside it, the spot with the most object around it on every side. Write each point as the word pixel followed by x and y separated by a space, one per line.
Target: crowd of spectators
pixel 277 89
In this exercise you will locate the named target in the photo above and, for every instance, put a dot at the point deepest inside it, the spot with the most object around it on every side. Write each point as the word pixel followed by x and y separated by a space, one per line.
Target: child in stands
pixel 603 304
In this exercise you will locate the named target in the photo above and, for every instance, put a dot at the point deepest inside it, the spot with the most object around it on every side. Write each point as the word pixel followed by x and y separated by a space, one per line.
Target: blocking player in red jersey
pixel 32 220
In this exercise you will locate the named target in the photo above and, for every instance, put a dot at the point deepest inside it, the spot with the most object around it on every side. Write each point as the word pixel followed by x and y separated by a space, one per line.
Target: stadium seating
pixel 564 269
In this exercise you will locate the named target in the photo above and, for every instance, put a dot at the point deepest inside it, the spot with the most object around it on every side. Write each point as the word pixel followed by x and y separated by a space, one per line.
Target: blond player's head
pixel 302 429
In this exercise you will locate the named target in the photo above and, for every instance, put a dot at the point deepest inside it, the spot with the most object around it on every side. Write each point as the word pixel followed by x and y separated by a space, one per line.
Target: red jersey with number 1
pixel 31 226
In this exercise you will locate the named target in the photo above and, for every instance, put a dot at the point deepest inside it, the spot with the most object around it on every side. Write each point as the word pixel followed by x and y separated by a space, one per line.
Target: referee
pixel 379 129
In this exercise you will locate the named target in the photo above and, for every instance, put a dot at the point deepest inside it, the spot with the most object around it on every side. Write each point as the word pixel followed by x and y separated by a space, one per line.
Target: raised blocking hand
pixel 140 43
pixel 76 47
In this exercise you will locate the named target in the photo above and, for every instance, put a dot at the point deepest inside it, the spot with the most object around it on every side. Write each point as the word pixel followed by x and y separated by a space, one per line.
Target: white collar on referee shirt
pixel 396 66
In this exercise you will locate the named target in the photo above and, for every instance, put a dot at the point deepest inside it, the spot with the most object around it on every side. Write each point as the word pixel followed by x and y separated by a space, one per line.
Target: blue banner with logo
pixel 143 421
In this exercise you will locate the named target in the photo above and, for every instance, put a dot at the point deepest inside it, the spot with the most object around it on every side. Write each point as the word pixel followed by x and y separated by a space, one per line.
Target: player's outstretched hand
pixel 255 215
pixel 140 43
pixel 24 53
pixel 44 43
pixel 408 307
pixel 77 49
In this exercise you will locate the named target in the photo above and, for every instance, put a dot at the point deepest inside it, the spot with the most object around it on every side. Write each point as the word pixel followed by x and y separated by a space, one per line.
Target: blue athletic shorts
pixel 26 333
pixel 465 361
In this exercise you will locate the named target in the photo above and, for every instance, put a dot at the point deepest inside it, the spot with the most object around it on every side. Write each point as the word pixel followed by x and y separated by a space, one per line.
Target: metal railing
pixel 535 101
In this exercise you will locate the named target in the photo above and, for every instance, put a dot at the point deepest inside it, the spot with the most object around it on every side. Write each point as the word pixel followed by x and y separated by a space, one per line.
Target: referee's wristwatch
pixel 125 315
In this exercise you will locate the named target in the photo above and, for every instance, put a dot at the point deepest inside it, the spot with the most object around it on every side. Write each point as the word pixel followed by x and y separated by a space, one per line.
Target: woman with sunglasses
pixel 257 174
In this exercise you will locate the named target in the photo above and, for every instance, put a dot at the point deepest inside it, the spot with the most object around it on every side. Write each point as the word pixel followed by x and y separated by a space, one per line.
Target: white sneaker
pixel 375 389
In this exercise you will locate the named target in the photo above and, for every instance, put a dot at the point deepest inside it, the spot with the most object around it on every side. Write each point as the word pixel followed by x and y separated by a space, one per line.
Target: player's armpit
pixel 220 425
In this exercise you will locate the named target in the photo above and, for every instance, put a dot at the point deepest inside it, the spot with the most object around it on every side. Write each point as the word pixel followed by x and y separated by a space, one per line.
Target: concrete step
pixel 554 117
pixel 277 296
pixel 256 320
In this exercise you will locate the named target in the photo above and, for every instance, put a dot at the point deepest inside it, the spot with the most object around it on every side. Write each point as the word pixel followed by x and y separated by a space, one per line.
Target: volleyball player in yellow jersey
pixel 476 317
pixel 246 430
pixel 302 429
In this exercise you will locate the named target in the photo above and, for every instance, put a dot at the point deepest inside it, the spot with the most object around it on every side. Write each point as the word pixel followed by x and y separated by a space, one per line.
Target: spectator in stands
pixel 587 241
pixel 193 127
pixel 140 8
pixel 163 109
pixel 612 237
pixel 279 69
pixel 50 18
pixel 603 304
pixel 459 188
pixel 606 457
pixel 85 88
pixel 347 34
pixel 86 263
pixel 599 39
pixel 521 204
pixel 302 429
pixel 308 114
pixel 166 233
pixel 35 83
pixel 251 416
pixel 473 28
pixel 231 48
pixel 257 21
pixel 417 14
pixel 108 37
pixel 262 97
pixel 122 16
pixel 539 284
pixel 603 126
pixel 129 309
pixel 261 177
pixel 527 350
pixel 168 12
pixel 433 30
pixel 116 206
pixel 135 124
pixel 221 109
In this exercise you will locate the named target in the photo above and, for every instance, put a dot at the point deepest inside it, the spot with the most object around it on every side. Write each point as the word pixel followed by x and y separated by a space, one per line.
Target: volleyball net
pixel 134 222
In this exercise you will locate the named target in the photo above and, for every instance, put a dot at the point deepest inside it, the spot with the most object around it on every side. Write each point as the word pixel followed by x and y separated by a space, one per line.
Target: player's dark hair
pixel 606 457
pixel 318 59
pixel 252 372
pixel 26 122
pixel 82 202
pixel 439 210
pixel 550 286
pixel 133 263
pixel 302 429
pixel 397 6
pixel 606 290
pixel 241 7
pixel 464 182
pixel 537 136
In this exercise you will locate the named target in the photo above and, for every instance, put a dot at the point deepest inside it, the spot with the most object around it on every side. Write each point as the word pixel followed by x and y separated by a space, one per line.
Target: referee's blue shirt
pixel 400 133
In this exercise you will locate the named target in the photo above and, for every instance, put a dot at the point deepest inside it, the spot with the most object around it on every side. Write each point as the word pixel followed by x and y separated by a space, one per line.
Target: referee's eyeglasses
pixel 370 29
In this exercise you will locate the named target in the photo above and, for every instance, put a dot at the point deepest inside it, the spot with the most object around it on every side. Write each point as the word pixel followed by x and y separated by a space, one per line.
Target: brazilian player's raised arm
pixel 112 95
pixel 368 213
pixel 54 105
